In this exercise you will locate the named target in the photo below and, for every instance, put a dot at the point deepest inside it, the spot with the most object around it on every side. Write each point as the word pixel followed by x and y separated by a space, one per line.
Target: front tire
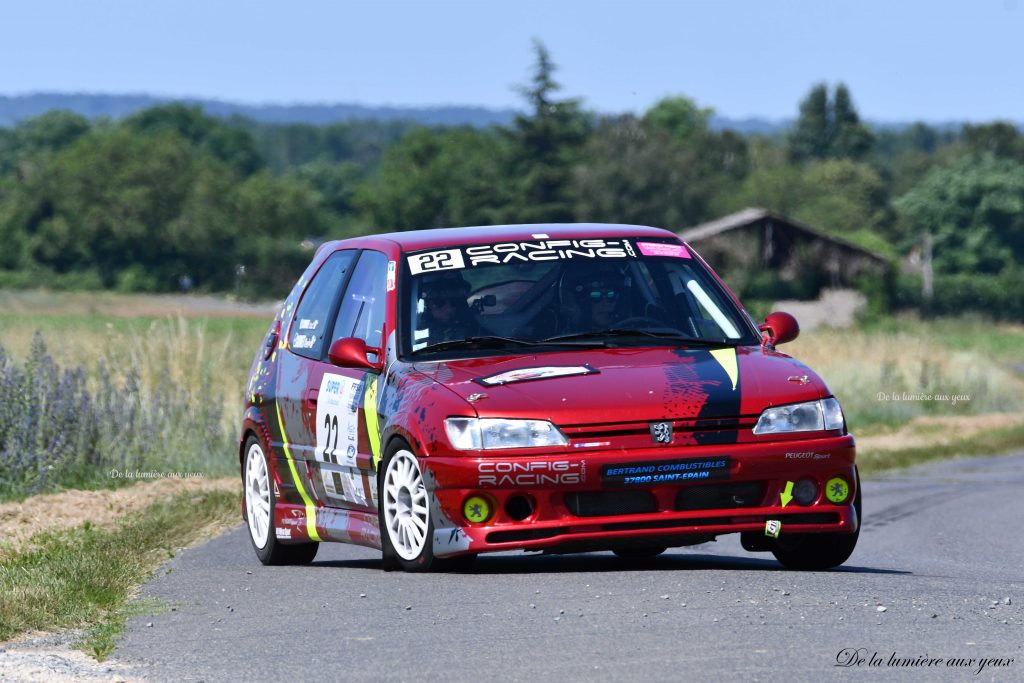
pixel 406 526
pixel 259 512
pixel 816 552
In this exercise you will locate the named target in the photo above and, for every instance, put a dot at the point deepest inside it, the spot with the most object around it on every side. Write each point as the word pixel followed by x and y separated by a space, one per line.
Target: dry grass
pixel 888 378
pixel 50 512
pixel 922 432
pixel 110 304
pixel 188 347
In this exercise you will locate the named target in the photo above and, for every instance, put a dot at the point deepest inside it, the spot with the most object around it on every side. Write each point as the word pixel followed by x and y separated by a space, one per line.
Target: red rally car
pixel 561 388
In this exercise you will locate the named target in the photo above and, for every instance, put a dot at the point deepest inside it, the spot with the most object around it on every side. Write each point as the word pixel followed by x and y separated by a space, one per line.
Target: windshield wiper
pixel 478 341
pixel 493 341
pixel 636 332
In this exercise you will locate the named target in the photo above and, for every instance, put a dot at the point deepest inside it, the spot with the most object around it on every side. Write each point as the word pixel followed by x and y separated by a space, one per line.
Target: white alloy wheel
pixel 406 514
pixel 257 495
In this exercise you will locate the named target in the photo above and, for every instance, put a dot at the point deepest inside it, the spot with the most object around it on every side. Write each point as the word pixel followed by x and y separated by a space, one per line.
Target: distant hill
pixel 750 125
pixel 20 107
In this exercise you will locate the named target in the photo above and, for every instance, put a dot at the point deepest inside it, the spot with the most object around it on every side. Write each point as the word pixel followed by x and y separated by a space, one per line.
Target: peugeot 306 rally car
pixel 562 388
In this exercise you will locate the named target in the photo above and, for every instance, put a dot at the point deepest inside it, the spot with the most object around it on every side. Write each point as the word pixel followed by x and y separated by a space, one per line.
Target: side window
pixel 362 308
pixel 309 327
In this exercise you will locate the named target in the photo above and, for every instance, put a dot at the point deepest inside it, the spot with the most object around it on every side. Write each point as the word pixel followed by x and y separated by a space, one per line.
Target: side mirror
pixel 351 352
pixel 781 327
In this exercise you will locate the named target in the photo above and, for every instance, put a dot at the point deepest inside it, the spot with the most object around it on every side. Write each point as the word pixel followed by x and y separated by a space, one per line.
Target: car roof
pixel 414 240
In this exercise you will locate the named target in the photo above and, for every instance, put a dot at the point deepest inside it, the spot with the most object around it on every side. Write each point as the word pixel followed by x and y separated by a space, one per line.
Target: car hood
pixel 629 385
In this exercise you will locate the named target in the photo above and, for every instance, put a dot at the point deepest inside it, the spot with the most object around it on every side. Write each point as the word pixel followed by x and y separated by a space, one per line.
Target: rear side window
pixel 362 309
pixel 309 328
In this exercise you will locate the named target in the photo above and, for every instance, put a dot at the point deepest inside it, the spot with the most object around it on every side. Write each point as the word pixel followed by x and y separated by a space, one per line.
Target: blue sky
pixel 903 60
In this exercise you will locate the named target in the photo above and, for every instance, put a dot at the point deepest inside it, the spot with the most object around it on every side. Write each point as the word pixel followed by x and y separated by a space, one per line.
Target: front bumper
pixel 664 496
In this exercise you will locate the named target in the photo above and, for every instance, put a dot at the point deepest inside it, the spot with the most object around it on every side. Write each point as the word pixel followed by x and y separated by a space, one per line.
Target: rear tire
pixel 406 526
pixel 815 552
pixel 259 512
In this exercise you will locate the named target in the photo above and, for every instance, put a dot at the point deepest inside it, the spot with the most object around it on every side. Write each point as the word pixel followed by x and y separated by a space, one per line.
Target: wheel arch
pixel 254 425
pixel 397 434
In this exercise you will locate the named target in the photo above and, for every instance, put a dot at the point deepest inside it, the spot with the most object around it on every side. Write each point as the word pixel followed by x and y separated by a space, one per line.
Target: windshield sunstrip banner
pixel 521 252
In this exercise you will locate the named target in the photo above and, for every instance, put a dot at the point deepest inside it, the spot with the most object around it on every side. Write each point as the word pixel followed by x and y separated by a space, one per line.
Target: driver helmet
pixel 606 285
pixel 447 285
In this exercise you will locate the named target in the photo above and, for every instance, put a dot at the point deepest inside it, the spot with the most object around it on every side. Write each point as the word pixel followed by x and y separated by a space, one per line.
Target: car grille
pixel 599 503
pixel 610 430
pixel 743 494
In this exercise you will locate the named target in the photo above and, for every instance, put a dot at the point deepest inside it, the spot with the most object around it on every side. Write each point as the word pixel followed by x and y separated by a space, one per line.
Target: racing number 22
pixel 447 259
pixel 331 425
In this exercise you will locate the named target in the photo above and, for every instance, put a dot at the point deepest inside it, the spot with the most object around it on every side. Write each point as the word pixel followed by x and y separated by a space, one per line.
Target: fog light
pixel 837 490
pixel 476 509
pixel 805 492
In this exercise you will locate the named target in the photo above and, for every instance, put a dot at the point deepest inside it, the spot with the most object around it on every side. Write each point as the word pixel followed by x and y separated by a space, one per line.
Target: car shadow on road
pixel 606 562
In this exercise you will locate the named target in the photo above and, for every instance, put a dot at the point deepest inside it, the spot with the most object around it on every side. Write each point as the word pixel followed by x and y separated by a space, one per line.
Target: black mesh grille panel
pixel 740 494
pixel 599 503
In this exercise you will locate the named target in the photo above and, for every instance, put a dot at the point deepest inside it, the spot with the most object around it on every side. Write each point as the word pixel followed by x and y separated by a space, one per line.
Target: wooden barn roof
pixel 754 215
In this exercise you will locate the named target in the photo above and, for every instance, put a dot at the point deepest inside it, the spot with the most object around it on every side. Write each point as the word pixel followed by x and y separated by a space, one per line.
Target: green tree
pixel 273 218
pixel 629 173
pixel 102 202
pixel 229 143
pixel 906 155
pixel 974 208
pixel 337 183
pixel 359 142
pixel 634 172
pixel 844 196
pixel 189 122
pixel 49 132
pixel 138 208
pixel 544 145
pixel 438 179
pixel 829 129
pixel 811 137
pixel 680 116
pixel 771 182
pixel 851 138
pixel 1000 139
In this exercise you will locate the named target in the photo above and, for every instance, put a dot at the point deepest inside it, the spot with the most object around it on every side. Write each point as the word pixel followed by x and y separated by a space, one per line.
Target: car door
pixel 300 367
pixel 344 399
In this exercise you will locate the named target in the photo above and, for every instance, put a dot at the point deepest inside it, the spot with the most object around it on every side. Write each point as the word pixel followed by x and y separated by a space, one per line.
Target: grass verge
pixel 86 576
pixel 989 443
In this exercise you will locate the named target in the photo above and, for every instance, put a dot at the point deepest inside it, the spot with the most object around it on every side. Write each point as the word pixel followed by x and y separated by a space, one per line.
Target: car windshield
pixel 481 299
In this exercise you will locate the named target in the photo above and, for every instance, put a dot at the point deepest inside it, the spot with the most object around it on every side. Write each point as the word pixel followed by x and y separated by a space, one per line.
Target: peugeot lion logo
pixel 661 432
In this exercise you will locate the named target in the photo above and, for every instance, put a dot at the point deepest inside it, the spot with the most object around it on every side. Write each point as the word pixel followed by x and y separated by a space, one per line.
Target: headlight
pixel 813 416
pixel 833 414
pixel 471 433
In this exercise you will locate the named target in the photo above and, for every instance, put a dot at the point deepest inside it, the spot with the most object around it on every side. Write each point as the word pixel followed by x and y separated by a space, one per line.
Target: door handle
pixel 311 397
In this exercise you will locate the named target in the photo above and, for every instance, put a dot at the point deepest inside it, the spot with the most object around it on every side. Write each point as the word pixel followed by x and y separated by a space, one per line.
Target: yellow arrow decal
pixel 787 494
pixel 727 359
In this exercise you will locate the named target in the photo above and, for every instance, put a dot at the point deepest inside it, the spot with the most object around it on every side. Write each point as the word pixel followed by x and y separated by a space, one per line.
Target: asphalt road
pixel 942 549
